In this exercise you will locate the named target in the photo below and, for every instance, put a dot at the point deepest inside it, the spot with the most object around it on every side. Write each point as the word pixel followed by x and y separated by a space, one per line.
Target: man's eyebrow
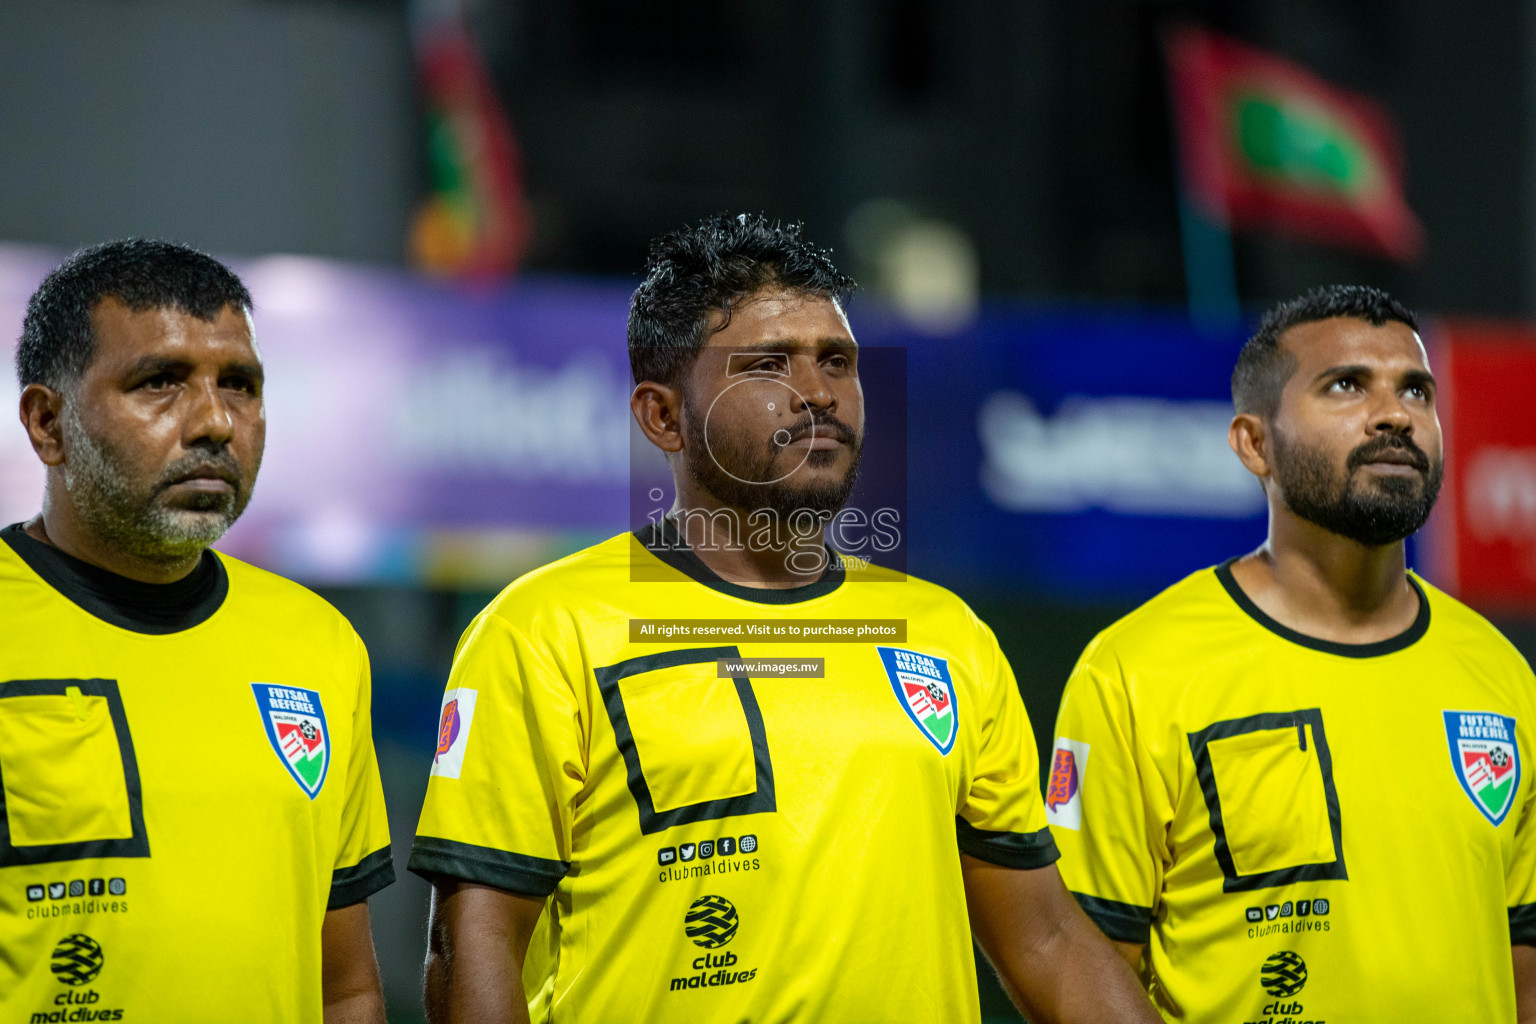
pixel 1349 370
pixel 151 365
pixel 1410 377
pixel 251 370
pixel 831 341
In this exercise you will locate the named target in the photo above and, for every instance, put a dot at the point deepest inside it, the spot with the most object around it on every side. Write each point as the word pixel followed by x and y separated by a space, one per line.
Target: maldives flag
pixel 1264 143
pixel 476 221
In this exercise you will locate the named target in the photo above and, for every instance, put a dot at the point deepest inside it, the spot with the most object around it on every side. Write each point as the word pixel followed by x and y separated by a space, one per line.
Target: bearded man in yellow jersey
pixel 1292 787
pixel 190 812
pixel 621 827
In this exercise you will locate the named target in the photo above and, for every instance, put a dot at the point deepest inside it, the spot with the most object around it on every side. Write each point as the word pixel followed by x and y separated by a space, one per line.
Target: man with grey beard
pixel 185 744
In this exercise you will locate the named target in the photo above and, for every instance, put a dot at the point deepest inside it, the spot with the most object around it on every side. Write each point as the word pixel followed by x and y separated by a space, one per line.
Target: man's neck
pixel 1327 586
pixel 55 527
pixel 738 549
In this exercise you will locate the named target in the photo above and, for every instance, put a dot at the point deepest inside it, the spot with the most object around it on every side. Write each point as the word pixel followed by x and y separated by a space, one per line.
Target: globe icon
pixel 77 959
pixel 1283 974
pixel 711 921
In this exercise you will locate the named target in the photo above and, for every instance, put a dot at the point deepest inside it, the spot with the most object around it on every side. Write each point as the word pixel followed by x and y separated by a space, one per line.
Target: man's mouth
pixel 207 480
pixel 1394 459
pixel 817 437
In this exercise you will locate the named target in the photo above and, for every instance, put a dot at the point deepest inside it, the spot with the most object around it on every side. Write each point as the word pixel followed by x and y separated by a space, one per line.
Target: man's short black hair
pixel 144 274
pixel 695 271
pixel 1263 368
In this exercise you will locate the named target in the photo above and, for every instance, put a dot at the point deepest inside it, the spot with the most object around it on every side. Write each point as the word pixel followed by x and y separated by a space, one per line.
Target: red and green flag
pixel 475 221
pixel 1265 143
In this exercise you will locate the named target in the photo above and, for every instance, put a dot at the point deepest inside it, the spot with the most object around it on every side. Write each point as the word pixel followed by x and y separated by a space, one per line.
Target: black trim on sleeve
pixel 153 608
pixel 513 872
pixel 666 543
pixel 1522 925
pixel 1407 638
pixel 1122 922
pixel 361 880
pixel 1025 850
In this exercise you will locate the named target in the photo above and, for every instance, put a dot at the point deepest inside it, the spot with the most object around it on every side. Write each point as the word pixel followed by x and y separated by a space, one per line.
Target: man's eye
pixel 158 382
pixel 773 364
pixel 1344 384
pixel 241 384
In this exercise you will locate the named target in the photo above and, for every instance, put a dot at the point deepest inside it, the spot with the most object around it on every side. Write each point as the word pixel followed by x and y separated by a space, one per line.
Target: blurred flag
pixel 476 222
pixel 1264 143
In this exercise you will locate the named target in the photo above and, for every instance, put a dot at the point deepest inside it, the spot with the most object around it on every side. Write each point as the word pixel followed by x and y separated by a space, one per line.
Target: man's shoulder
pixel 1467 630
pixel 1179 616
pixel 925 603
pixel 580 577
pixel 263 597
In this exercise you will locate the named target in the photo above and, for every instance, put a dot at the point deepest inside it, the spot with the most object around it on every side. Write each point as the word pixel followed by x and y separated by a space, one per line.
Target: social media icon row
pixel 725 846
pixel 77 888
pixel 1301 908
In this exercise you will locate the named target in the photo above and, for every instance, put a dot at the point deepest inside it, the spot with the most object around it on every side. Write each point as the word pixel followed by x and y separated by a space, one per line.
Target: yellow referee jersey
pixel 187 783
pixel 719 846
pixel 1302 830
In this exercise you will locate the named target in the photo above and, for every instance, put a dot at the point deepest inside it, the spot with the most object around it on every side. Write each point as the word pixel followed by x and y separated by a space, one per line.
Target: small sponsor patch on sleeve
pixel 453 725
pixel 1064 787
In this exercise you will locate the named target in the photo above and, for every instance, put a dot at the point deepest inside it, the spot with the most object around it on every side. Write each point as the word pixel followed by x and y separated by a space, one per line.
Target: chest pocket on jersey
pixel 69 782
pixel 1268 786
pixel 694 746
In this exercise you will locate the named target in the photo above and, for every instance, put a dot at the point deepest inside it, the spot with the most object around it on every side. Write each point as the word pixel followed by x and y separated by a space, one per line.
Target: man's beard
pixel 753 482
pixel 139 522
pixel 1383 511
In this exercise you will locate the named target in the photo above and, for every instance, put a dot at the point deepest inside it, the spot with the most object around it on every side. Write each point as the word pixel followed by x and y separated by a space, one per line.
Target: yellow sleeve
pixel 1520 876
pixel 363 861
pixel 508 766
pixel 1100 811
pixel 1002 819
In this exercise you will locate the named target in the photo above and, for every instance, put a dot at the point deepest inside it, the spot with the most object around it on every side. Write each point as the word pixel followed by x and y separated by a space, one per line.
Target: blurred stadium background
pixel 442 207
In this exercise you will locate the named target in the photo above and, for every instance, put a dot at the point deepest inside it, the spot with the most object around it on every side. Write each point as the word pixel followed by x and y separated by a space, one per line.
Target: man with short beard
pixel 1292 787
pixel 191 820
pixel 622 826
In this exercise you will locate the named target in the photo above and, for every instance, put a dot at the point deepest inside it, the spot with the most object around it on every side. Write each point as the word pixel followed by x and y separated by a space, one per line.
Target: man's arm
pixel 1525 984
pixel 349 974
pixel 1055 965
pixel 477 937
pixel 1132 951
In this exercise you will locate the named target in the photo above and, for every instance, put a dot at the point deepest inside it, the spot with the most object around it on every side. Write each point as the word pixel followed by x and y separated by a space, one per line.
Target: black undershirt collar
pixel 1407 638
pixel 667 544
pixel 155 608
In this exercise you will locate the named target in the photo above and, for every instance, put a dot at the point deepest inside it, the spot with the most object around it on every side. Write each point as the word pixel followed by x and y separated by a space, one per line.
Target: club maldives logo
pixel 295 724
pixel 927 694
pixel 77 959
pixel 1064 790
pixel 1486 758
pixel 453 723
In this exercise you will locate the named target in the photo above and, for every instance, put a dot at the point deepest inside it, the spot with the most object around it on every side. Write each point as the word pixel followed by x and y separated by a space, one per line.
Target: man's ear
pixel 42 414
pixel 658 408
pixel 1250 438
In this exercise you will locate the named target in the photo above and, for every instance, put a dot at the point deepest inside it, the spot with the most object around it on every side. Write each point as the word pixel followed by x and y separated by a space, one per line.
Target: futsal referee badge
pixel 1486 758
pixel 927 695
pixel 295 724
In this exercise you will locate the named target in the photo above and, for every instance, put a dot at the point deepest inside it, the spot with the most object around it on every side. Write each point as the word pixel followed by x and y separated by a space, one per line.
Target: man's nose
pixel 208 415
